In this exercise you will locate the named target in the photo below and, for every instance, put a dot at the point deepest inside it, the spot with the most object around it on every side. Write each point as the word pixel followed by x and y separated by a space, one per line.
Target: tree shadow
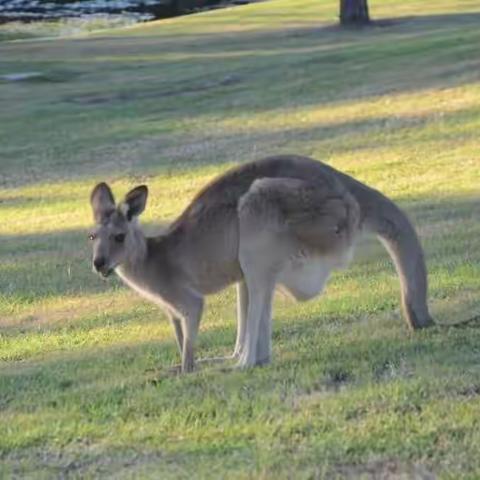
pixel 342 359
pixel 313 356
pixel 217 148
pixel 121 386
pixel 205 76
pixel 201 41
pixel 36 266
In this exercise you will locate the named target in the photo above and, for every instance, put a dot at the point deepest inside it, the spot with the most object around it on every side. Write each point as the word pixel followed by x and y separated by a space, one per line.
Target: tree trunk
pixel 354 12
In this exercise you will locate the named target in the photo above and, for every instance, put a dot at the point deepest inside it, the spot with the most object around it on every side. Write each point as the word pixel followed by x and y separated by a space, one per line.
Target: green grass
pixel 84 386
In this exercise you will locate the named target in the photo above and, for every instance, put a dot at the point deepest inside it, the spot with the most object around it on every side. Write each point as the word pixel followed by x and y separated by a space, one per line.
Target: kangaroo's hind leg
pixel 263 250
pixel 281 219
pixel 264 342
pixel 260 295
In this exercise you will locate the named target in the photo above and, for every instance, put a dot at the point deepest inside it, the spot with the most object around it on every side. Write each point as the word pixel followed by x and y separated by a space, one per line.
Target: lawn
pixel 85 389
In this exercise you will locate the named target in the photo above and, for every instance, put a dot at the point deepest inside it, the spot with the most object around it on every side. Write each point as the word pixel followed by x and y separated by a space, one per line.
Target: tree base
pixel 354 13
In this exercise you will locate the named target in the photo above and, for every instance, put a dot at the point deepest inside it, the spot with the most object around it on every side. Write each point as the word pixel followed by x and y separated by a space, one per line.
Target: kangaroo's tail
pixel 381 216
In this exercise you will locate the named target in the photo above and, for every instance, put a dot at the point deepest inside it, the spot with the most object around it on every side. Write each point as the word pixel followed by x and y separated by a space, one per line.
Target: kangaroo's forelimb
pixel 177 325
pixel 242 309
pixel 190 311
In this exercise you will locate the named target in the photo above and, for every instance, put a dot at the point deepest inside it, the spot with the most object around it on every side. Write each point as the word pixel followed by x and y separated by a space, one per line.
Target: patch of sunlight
pixel 65 310
pixel 255 16
pixel 64 206
pixel 65 322
pixel 276 14
pixel 40 344
pixel 407 175
pixel 428 104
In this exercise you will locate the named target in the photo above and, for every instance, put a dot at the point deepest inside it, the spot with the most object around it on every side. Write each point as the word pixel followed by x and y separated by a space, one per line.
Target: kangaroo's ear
pixel 102 201
pixel 135 201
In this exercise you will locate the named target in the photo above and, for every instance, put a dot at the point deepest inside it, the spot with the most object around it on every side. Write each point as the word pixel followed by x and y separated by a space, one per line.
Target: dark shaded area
pixel 212 88
pixel 37 266
pixel 221 40
pixel 185 88
pixel 148 363
pixel 117 377
pixel 51 10
pixel 62 382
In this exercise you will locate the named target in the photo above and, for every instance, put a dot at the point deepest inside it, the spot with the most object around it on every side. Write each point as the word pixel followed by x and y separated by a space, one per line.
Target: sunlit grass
pixel 84 389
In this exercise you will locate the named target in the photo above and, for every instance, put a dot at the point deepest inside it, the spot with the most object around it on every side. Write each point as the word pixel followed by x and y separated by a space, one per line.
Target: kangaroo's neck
pixel 150 268
pixel 137 257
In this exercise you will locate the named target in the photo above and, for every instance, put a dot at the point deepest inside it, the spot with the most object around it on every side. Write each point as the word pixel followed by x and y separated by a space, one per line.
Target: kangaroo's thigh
pixel 264 247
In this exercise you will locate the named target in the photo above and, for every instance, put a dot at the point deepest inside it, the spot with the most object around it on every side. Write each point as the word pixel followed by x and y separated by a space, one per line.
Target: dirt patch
pixel 383 470
pixel 470 391
pixel 76 462
pixel 393 369
pixel 334 381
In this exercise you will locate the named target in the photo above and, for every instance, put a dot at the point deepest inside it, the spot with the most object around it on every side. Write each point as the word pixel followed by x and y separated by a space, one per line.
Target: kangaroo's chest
pixel 145 290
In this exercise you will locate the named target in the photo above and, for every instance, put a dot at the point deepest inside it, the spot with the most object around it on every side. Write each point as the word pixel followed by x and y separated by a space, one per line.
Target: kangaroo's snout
pixel 100 265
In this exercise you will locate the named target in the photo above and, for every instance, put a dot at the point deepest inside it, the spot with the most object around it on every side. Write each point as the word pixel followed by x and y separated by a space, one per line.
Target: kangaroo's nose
pixel 98 263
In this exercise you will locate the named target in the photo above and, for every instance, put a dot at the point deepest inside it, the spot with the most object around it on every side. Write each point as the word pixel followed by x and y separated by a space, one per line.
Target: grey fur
pixel 284 221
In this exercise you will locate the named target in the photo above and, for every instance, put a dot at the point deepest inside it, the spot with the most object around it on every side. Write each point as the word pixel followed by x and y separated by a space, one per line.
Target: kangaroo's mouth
pixel 106 272
pixel 103 271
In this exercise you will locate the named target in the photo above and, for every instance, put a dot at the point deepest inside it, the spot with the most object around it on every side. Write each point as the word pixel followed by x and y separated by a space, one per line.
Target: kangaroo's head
pixel 116 233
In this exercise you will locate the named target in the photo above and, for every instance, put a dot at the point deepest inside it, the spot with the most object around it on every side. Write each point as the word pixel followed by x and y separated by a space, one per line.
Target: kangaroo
pixel 284 221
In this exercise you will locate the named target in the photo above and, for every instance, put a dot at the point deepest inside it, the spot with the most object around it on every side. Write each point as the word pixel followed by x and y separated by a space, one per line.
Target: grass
pixel 74 26
pixel 84 390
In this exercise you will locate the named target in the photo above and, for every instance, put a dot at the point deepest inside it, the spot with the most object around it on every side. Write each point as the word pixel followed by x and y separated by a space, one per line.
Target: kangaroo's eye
pixel 92 236
pixel 120 238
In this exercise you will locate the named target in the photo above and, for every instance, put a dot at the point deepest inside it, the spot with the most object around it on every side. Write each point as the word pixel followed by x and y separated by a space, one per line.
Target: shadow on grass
pixel 312 60
pixel 186 155
pixel 249 72
pixel 333 137
pixel 310 355
pixel 125 384
pixel 38 266
pixel 242 40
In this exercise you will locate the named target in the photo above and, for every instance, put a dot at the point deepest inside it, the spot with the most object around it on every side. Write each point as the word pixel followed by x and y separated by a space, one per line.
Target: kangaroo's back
pixel 223 193
pixel 211 220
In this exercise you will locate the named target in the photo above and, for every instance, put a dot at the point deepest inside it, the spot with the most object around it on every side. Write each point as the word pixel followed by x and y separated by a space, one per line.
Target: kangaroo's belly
pixel 306 277
pixel 213 277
